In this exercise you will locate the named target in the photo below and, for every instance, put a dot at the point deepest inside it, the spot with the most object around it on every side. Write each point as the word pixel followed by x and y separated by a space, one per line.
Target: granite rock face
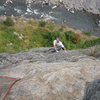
pixel 93 91
pixel 88 5
pixel 51 76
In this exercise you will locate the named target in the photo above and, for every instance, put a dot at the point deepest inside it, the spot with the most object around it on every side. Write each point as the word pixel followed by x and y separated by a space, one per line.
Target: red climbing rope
pixel 8 77
pixel 9 89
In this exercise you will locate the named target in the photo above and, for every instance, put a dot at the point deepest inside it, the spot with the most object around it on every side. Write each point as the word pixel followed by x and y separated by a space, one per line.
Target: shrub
pixel 42 23
pixel 50 36
pixel 71 36
pixel 8 22
pixel 90 43
pixel 77 38
pixel 87 33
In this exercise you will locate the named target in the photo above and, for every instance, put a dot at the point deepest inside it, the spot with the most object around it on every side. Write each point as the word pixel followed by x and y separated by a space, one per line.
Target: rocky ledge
pixel 88 5
pixel 52 76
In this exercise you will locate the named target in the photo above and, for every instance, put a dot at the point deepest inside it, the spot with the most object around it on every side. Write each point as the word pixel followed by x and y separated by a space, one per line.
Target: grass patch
pixel 9 41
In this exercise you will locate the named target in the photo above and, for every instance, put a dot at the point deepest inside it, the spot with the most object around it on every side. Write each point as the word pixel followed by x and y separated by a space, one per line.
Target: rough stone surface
pixel 89 5
pixel 93 91
pixel 50 76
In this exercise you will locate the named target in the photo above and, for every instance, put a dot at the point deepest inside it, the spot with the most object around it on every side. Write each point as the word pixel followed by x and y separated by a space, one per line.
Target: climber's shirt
pixel 58 44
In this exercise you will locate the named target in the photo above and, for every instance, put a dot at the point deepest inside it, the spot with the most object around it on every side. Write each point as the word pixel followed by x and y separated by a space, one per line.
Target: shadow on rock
pixel 93 91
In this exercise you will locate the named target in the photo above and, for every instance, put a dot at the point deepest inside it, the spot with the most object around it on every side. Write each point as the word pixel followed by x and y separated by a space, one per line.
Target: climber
pixel 57 46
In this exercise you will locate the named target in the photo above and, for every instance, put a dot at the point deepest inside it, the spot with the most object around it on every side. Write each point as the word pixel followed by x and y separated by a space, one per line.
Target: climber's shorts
pixel 53 50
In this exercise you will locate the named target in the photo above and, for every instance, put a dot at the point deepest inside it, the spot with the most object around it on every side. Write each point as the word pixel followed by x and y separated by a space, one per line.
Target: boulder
pixel 93 90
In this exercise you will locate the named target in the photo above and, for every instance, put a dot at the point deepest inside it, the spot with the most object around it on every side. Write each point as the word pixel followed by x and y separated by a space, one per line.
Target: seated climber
pixel 57 46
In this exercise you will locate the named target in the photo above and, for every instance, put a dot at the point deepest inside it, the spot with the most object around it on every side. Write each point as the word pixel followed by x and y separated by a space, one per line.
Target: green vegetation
pixel 87 33
pixel 50 36
pixel 42 23
pixel 71 36
pixel 8 41
pixel 18 36
pixel 8 22
pixel 90 43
